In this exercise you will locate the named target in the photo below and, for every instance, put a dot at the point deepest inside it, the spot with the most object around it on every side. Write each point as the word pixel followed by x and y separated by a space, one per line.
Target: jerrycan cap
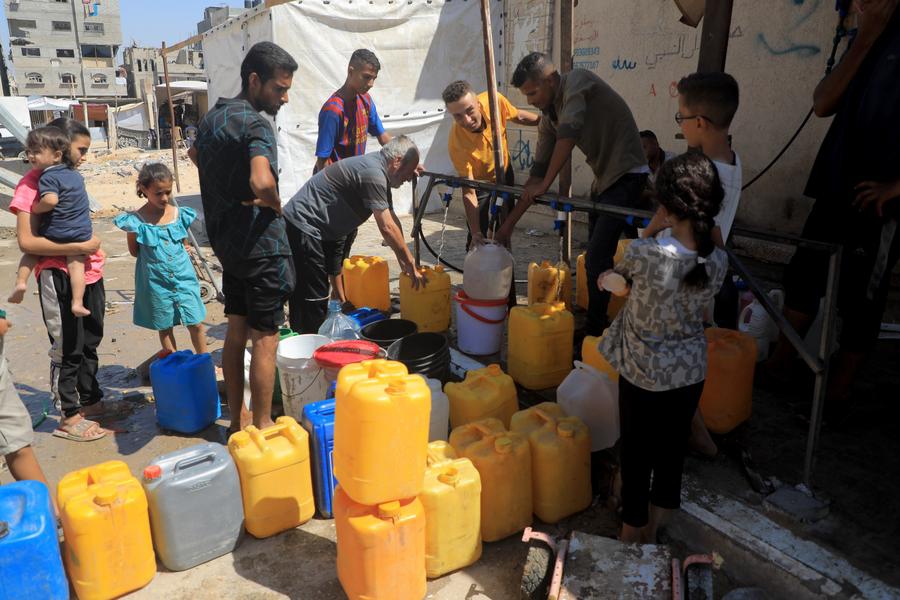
pixel 565 429
pixel 152 472
pixel 104 495
pixel 396 387
pixel 241 439
pixel 494 369
pixel 389 510
pixel 503 445
pixel 450 476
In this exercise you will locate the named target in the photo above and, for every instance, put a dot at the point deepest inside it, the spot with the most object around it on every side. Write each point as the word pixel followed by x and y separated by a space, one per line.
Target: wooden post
pixel 566 53
pixel 714 39
pixel 499 158
pixel 165 63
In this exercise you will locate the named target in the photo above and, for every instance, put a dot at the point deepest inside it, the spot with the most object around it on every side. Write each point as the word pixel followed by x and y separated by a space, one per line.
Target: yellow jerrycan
pixel 560 460
pixel 591 356
pixel 381 437
pixel 540 345
pixel 428 307
pixel 276 482
pixel 484 393
pixel 548 282
pixel 380 549
pixel 366 282
pixel 378 368
pixel 727 398
pixel 503 461
pixel 108 549
pixel 581 282
pixel 451 497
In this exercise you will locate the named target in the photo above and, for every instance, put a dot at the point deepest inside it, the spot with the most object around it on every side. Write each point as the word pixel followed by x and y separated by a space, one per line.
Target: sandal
pixel 79 431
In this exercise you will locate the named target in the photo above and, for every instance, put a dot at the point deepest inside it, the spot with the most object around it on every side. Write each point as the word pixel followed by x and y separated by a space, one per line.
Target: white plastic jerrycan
pixel 588 394
pixel 755 321
pixel 439 421
pixel 488 272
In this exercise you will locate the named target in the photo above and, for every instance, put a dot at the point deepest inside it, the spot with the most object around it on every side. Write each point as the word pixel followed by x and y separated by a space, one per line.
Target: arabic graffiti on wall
pixel 784 39
pixel 520 153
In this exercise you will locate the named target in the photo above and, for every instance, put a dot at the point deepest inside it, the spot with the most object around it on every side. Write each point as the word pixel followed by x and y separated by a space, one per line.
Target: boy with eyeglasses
pixel 707 103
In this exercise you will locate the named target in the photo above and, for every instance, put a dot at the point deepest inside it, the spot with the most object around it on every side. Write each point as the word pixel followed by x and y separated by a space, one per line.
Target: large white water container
pixel 589 394
pixel 302 379
pixel 479 324
pixel 488 272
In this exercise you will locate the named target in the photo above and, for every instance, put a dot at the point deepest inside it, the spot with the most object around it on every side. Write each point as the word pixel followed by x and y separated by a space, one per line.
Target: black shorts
pixel 337 251
pixel 257 289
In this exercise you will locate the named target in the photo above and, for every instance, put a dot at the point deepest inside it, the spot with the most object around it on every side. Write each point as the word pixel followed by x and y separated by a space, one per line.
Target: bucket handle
pixel 478 317
pixel 363 351
pixel 187 463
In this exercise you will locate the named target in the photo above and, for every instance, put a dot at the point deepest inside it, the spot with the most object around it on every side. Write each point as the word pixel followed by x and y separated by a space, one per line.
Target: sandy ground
pixel 855 468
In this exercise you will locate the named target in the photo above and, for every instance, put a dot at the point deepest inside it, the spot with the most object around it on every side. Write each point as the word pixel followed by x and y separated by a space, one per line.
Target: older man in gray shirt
pixel 334 202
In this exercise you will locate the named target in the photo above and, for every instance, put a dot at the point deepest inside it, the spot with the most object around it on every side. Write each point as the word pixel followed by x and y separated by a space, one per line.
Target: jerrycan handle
pixel 484 431
pixel 187 463
pixel 262 439
pixel 543 416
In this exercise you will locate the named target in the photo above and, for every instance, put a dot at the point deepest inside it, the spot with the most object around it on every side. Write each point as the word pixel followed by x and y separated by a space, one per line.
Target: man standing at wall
pixel 346 120
pixel 236 154
pixel 580 109
pixel 471 148
pixel 855 182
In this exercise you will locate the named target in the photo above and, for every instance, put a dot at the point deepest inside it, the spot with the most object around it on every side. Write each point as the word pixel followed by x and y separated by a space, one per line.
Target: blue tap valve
pixel 446 198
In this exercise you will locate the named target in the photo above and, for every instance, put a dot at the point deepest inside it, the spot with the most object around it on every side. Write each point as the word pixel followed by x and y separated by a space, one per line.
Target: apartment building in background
pixel 145 65
pixel 65 48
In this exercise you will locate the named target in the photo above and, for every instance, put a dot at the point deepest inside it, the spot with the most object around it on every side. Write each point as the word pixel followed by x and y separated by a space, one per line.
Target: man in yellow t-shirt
pixel 471 147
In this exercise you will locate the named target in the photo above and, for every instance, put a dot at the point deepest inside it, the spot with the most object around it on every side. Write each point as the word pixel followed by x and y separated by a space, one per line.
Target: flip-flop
pixel 76 432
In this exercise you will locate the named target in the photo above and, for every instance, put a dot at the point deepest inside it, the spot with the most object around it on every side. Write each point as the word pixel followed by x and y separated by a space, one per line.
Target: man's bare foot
pixel 18 294
pixel 80 311
pixel 264 424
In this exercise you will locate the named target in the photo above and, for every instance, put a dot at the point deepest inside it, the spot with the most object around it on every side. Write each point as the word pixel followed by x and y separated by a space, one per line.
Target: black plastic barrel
pixel 427 354
pixel 387 331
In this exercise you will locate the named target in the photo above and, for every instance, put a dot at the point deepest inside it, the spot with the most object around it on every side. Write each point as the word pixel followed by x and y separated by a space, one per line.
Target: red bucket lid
pixel 338 354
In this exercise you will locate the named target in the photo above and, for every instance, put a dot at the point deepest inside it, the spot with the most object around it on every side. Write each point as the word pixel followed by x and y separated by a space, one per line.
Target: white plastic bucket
pixel 479 324
pixel 302 380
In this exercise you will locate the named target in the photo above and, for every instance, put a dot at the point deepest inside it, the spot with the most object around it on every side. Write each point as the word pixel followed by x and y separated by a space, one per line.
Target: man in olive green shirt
pixel 580 109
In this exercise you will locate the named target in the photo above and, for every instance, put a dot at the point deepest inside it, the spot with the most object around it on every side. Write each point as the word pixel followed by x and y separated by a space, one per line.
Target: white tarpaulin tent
pixel 422 45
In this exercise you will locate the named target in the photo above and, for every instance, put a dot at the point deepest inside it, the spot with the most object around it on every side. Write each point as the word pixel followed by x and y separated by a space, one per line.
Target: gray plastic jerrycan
pixel 196 513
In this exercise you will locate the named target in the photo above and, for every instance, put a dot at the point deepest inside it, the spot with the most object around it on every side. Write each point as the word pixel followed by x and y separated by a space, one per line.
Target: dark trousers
pixel 309 301
pixel 655 427
pixel 73 340
pixel 871 247
pixel 605 231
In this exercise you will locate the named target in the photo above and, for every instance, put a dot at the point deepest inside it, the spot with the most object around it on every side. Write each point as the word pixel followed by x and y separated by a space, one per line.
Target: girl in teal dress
pixel 166 291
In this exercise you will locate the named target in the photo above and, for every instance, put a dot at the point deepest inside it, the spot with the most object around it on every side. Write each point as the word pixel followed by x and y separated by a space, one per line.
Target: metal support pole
pixel 566 52
pixel 165 63
pixel 499 158
pixel 415 210
pixel 418 215
pixel 821 387
pixel 714 39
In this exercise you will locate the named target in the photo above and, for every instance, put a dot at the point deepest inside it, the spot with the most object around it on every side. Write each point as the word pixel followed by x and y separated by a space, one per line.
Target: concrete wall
pixel 777 52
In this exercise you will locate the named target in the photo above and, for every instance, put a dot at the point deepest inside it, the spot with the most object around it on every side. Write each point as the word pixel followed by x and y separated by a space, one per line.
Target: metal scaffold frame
pixel 818 362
